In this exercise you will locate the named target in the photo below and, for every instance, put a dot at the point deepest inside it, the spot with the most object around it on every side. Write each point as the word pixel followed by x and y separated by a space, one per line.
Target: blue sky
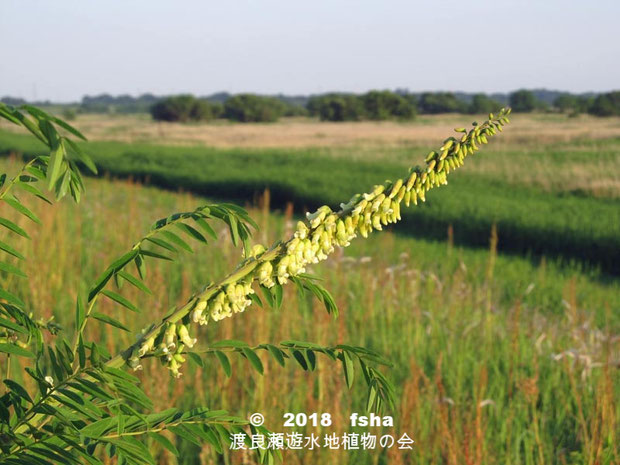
pixel 64 49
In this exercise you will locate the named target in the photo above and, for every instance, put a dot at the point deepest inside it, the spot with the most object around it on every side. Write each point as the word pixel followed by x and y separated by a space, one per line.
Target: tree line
pixel 376 105
pixel 373 105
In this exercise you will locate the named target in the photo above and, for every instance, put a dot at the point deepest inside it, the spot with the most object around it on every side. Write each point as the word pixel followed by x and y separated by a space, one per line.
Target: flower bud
pixel 184 337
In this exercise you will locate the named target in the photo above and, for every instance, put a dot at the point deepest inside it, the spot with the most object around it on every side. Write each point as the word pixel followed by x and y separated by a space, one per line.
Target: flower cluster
pixel 232 299
pixel 316 238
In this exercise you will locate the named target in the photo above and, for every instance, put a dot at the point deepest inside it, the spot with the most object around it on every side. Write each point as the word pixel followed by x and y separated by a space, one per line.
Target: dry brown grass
pixel 305 132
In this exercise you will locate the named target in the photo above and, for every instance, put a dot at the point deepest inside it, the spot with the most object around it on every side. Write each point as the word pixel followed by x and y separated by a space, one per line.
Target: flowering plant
pixel 86 404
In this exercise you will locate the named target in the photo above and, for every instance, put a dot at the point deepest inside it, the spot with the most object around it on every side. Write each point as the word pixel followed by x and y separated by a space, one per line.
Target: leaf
pixel 12 269
pixel 134 281
pixel 15 350
pixel 349 369
pixel 13 202
pixel 276 353
pixel 81 352
pixel 164 441
pixel 8 324
pixel 150 253
pixel 36 172
pixel 103 279
pixel 161 243
pixel 277 291
pixel 13 227
pixel 311 357
pixel 10 250
pixel 192 232
pixel 253 359
pixel 230 343
pixel 172 237
pixel 204 225
pixel 196 359
pixel 54 165
pixel 183 433
pixel 98 428
pixel 140 266
pixel 256 299
pixel 80 312
pixel 121 300
pixel 18 389
pixel 221 356
pixel 234 232
pixel 34 191
pixel 267 294
pixel 109 320
pixel 82 156
pixel 299 357
pixel 6 295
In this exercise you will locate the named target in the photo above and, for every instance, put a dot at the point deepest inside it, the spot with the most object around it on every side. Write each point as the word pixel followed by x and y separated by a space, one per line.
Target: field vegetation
pixel 498 358
pixel 530 188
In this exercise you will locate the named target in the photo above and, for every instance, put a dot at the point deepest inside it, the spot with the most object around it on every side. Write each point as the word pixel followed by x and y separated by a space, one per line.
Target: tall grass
pixel 496 359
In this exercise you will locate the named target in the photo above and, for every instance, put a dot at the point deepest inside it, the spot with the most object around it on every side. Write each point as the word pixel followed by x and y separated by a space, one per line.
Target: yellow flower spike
pixel 396 188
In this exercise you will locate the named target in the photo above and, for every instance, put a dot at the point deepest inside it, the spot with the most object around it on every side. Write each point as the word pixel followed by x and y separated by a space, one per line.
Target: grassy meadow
pixel 530 187
pixel 498 301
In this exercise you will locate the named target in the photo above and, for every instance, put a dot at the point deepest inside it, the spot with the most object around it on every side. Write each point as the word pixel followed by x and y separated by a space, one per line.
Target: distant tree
pixel 291 109
pixel 253 108
pixel 383 105
pixel 566 102
pixel 440 102
pixel 606 104
pixel 482 104
pixel 523 101
pixel 217 109
pixel 337 107
pixel 182 108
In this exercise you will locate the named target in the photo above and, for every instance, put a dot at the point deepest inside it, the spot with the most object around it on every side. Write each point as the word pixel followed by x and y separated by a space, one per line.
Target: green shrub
pixel 523 101
pixel 182 108
pixel 440 102
pixel 247 108
pixel 606 104
pixel 384 105
pixel 482 104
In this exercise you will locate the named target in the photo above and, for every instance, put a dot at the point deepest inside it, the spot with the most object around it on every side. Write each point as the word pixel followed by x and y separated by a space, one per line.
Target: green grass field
pixel 498 358
pixel 574 215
